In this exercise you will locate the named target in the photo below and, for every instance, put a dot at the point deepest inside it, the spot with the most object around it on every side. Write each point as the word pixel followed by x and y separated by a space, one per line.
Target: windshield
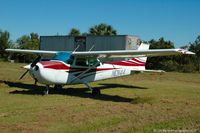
pixel 65 57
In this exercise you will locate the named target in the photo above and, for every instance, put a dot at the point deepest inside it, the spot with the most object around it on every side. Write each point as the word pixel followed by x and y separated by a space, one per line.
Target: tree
pixel 35 40
pixel 5 42
pixel 102 29
pixel 74 32
pixel 195 47
pixel 27 42
pixel 24 42
pixel 165 63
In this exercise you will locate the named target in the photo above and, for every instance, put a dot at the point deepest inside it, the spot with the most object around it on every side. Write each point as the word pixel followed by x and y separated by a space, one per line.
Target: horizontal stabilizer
pixel 152 71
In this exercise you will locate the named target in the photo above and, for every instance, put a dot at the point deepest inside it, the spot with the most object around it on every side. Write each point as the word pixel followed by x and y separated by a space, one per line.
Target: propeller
pixel 23 74
pixel 35 61
pixel 32 65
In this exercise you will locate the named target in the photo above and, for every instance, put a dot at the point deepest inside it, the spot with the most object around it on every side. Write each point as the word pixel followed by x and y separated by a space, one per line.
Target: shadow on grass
pixel 79 92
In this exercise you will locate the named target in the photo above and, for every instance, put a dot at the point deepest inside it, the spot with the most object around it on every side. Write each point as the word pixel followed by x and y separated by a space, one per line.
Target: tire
pixel 96 92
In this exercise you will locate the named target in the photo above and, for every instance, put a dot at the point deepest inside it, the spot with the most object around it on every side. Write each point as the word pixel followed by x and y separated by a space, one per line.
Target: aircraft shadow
pixel 30 89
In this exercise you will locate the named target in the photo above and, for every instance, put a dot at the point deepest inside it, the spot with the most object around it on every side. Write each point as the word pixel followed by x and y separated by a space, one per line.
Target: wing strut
pixel 87 70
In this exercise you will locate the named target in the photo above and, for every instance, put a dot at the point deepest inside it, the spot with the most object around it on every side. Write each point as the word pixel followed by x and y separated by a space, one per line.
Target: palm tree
pixel 102 29
pixel 74 32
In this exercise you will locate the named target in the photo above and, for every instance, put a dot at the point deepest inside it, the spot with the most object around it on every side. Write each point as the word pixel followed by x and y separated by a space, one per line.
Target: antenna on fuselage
pixel 76 48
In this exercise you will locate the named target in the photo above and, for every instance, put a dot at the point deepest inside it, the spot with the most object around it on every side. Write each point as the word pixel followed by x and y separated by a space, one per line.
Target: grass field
pixel 145 102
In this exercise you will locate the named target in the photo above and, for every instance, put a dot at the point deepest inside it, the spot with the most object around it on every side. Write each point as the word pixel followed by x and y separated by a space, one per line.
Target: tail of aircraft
pixel 143 46
pixel 139 62
pixel 134 64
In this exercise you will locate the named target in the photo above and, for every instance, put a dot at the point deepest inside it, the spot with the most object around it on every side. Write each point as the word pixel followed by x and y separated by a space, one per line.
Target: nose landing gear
pixel 46 91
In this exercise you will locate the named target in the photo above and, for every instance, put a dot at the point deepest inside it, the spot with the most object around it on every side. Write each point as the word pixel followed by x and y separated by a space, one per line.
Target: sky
pixel 175 20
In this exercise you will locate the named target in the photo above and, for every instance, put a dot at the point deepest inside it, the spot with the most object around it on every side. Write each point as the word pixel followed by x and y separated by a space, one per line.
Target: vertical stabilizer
pixel 143 46
pixel 140 61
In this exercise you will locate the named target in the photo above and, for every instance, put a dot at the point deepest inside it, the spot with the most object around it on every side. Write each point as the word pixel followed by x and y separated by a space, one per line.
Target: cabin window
pixel 81 62
pixel 92 62
pixel 86 62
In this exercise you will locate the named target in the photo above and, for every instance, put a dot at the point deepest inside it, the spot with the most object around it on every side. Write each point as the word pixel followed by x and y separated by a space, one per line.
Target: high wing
pixel 111 54
pixel 26 51
pixel 131 53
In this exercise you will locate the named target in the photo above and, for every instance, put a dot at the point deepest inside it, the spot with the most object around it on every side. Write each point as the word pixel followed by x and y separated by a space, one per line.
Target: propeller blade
pixel 32 65
pixel 23 75
pixel 35 61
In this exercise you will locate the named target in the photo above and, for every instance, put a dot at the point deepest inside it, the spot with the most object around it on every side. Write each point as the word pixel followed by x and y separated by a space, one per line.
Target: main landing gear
pixel 57 87
pixel 95 91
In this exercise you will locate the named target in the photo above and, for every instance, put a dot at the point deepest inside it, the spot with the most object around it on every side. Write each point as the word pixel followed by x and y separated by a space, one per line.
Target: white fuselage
pixel 76 74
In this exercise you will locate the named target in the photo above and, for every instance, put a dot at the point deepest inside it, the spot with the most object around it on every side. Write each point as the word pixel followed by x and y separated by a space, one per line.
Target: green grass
pixel 146 102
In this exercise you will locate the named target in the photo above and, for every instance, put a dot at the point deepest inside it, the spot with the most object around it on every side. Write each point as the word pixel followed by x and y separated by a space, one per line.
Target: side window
pixel 81 62
pixel 93 62
pixel 86 62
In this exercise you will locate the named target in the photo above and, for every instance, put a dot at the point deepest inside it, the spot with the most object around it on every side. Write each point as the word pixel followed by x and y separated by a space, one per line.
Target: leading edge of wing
pixel 132 53
pixel 31 51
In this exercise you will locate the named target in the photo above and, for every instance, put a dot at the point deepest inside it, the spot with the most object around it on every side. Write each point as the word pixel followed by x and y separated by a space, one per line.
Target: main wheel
pixel 96 92
pixel 58 87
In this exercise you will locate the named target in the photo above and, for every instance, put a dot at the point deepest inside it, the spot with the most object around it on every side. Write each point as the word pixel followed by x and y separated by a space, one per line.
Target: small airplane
pixel 80 67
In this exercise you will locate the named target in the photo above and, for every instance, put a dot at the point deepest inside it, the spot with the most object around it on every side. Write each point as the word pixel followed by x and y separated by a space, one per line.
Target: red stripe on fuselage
pixel 54 65
pixel 61 66
pixel 103 69
pixel 137 60
pixel 126 63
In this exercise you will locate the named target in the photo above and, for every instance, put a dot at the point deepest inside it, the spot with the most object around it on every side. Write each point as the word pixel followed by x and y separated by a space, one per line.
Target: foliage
pixel 186 63
pixel 74 32
pixel 164 63
pixel 4 43
pixel 102 29
pixel 195 47
pixel 27 42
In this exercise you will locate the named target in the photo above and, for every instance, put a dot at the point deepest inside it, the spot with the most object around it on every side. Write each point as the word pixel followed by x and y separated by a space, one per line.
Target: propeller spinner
pixel 28 67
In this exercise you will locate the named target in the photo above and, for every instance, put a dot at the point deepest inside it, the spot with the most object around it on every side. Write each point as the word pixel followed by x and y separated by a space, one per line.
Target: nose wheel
pixel 46 92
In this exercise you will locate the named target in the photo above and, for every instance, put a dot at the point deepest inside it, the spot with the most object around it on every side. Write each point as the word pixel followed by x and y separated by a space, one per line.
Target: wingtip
pixel 183 51
pixel 189 52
